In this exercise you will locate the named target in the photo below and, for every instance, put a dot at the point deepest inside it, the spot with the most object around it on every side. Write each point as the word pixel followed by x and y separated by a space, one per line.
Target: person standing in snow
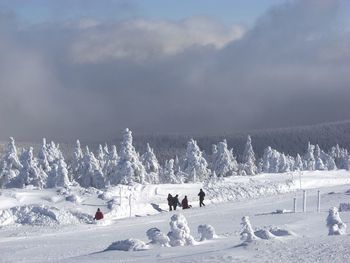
pixel 184 203
pixel 98 215
pixel 170 202
pixel 176 202
pixel 201 198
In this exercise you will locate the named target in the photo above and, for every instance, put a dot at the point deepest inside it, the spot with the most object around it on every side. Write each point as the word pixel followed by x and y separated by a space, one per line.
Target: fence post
pixel 120 195
pixel 304 201
pixel 130 205
pixel 318 201
pixel 295 205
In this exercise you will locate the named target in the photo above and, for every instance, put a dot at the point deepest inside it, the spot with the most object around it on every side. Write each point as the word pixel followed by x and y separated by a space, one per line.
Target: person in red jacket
pixel 98 215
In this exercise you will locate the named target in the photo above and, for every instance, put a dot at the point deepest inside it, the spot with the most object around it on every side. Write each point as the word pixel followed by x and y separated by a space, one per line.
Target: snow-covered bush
pixel 206 232
pixel 157 237
pixel 334 223
pixel 247 232
pixel 179 234
pixel 128 245
pixel 264 234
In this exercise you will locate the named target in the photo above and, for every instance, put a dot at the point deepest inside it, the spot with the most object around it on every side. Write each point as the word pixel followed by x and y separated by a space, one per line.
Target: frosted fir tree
pixel 247 232
pixel 30 173
pixel 129 168
pixel 177 165
pixel 284 165
pixel 101 157
pixel 42 157
pixel 319 165
pixel 340 156
pixel 195 163
pixel 179 234
pixel 249 158
pixel 151 164
pixel 334 223
pixel 266 159
pixel 224 163
pixel 168 175
pixel 111 165
pixel 53 153
pixel 298 165
pixel 10 164
pixel 91 175
pixel 309 159
pixel 328 161
pixel 77 162
pixel 214 155
pixel 58 176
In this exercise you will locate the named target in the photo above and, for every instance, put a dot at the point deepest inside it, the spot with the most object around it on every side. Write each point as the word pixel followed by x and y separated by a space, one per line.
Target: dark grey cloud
pixel 90 79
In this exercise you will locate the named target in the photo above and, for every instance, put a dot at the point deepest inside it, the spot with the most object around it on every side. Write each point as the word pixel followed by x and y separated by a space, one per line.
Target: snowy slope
pixel 71 236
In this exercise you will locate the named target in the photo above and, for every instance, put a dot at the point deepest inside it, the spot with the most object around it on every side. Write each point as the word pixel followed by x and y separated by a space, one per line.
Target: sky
pixel 88 69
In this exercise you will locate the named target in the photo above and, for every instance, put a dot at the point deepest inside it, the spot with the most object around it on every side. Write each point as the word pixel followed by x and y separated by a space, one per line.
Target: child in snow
pixel 201 198
pixel 176 202
pixel 184 203
pixel 98 215
pixel 170 202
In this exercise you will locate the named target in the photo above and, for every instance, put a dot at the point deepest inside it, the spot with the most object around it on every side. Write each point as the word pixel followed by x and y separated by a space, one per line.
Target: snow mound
pixel 344 207
pixel 206 232
pixel 128 245
pixel 179 234
pixel 157 237
pixel 73 198
pixel 41 216
pixel 264 234
pixel 279 232
pixel 222 191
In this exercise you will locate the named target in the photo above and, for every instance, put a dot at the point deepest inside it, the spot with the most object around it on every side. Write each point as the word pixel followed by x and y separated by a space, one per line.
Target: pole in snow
pixel 120 195
pixel 318 201
pixel 130 205
pixel 295 205
pixel 304 201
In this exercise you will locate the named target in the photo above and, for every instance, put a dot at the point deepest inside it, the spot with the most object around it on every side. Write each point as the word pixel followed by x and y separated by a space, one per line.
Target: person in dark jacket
pixel 184 203
pixel 201 198
pixel 170 202
pixel 176 202
pixel 98 215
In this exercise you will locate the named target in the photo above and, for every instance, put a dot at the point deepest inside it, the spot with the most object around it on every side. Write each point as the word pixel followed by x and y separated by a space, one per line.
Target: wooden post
pixel 318 201
pixel 304 201
pixel 295 205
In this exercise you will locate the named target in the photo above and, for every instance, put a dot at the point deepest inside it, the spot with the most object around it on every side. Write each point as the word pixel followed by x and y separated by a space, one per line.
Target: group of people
pixel 173 201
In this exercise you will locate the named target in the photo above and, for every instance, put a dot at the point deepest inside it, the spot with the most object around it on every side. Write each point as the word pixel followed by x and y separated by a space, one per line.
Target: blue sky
pixel 229 11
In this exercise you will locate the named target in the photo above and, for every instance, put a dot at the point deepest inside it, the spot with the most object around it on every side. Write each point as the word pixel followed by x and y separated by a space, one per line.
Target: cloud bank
pixel 90 79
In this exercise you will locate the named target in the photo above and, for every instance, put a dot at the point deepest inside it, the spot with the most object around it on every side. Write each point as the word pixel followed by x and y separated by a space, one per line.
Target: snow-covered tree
pixel 77 162
pixel 91 175
pixel 319 165
pixel 195 165
pixel 298 165
pixel 53 153
pixel 223 162
pixel 309 159
pixel 247 232
pixel 179 234
pixel 10 164
pixel 151 164
pixel 58 175
pixel 42 157
pixel 101 157
pixel 129 168
pixel 157 237
pixel 111 165
pixel 168 175
pixel 334 223
pixel 249 158
pixel 284 164
pixel 30 173
pixel 340 156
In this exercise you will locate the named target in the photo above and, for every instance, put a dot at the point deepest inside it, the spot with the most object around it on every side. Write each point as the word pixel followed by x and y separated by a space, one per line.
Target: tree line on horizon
pixel 108 166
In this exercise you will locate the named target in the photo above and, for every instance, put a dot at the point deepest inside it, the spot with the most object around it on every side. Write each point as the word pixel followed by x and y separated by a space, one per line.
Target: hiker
pixel 184 203
pixel 201 198
pixel 98 215
pixel 170 202
pixel 176 202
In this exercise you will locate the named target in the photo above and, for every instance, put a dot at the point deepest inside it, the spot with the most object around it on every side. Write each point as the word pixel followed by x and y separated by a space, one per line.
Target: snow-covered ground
pixel 56 225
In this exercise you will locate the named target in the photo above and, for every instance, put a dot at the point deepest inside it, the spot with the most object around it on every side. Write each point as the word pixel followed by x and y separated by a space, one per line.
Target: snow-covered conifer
pixel 111 165
pixel 224 163
pixel 319 165
pixel 298 165
pixel 249 158
pixel 168 175
pixel 309 159
pixel 151 164
pixel 101 158
pixel 10 164
pixel 58 176
pixel 179 234
pixel 129 168
pixel 30 173
pixel 42 157
pixel 247 232
pixel 77 161
pixel 334 223
pixel 195 165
